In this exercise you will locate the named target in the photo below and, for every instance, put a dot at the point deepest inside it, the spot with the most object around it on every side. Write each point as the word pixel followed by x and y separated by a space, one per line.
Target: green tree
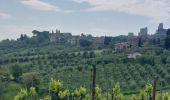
pixel 167 40
pixel 41 36
pixel 140 42
pixel 107 40
pixel 16 71
pixel 92 54
pixel 117 95
pixel 85 43
pixel 31 79
pixel 166 96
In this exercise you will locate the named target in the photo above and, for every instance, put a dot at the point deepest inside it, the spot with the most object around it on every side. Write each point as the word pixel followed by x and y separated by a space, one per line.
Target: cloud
pixel 40 5
pixel 5 16
pixel 99 31
pixel 156 10
pixel 68 11
pixel 43 6
pixel 13 31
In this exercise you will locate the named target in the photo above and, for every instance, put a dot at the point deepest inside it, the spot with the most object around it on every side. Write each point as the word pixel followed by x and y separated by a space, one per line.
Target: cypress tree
pixel 167 40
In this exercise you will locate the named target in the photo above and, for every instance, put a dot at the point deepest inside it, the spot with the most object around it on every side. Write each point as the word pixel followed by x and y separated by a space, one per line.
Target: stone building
pixel 119 47
pixel 130 34
pixel 74 40
pixel 59 37
pixel 143 34
pixel 133 41
pixel 160 32
pixel 98 41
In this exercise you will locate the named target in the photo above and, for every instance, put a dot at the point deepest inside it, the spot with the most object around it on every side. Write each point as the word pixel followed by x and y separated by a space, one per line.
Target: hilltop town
pixel 131 40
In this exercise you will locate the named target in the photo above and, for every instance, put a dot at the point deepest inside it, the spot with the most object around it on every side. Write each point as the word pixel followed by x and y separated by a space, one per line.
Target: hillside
pixel 33 61
pixel 23 64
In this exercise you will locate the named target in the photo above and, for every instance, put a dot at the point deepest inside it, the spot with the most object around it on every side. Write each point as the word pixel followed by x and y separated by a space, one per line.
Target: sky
pixel 96 17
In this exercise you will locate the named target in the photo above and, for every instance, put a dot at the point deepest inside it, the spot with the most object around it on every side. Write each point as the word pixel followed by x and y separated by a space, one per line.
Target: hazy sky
pixel 96 17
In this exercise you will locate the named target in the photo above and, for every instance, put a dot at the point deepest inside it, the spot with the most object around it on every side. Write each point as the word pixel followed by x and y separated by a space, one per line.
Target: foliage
pixel 166 96
pixel 46 98
pixel 32 91
pixel 167 40
pixel 107 40
pixel 117 93
pixel 140 42
pixel 31 79
pixel 148 88
pixel 142 95
pixel 16 71
pixel 85 43
pixel 41 36
pixel 64 94
pixel 98 92
pixel 81 94
pixel 133 97
pixel 55 85
pixel 21 95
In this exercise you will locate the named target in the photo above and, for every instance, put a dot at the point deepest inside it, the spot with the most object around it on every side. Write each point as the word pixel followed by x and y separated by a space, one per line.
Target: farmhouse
pixel 121 46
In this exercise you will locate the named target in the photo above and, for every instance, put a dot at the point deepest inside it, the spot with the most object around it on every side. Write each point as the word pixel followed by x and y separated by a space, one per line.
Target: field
pixel 73 67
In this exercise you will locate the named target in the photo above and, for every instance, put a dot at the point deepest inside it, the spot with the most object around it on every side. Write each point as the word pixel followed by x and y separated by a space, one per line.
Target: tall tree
pixel 140 42
pixel 167 40
pixel 107 40
pixel 41 36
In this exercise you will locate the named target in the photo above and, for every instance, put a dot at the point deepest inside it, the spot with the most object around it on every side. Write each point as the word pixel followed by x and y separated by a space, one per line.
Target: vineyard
pixel 57 92
pixel 36 66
